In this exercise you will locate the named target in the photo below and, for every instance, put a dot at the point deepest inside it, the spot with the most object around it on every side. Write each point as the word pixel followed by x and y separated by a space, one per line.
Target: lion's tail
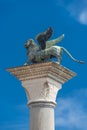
pixel 82 62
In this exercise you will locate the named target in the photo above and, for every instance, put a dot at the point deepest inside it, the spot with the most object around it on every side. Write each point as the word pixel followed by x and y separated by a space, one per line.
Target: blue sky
pixel 23 19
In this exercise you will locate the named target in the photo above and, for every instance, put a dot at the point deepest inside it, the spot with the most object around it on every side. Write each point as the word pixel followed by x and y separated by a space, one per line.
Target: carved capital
pixel 49 91
pixel 42 81
pixel 43 89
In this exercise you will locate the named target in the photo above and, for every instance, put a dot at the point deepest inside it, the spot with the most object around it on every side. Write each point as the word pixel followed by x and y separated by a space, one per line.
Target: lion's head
pixel 29 43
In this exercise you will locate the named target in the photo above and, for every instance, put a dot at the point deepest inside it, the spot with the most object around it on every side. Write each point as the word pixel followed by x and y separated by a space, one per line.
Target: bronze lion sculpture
pixel 46 50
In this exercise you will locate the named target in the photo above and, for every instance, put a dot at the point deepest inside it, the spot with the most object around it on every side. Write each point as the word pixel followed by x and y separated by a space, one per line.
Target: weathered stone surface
pixel 41 90
pixel 42 118
pixel 42 83
pixel 49 69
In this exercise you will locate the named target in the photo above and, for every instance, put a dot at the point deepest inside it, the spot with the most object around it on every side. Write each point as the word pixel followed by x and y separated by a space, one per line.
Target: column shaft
pixel 42 116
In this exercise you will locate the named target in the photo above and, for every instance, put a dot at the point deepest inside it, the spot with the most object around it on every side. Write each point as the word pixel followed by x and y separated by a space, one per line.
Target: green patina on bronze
pixel 46 49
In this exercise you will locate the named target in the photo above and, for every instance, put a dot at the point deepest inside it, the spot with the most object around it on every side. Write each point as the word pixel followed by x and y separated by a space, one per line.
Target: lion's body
pixel 44 55
pixel 36 55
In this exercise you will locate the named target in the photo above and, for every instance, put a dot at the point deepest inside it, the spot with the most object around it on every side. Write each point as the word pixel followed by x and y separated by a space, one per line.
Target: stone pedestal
pixel 42 83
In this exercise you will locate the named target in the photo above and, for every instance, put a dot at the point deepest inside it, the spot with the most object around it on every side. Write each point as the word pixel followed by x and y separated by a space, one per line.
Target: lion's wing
pixel 55 41
pixel 43 37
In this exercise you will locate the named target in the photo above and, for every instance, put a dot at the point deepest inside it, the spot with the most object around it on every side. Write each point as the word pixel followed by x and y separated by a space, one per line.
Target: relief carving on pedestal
pixel 49 91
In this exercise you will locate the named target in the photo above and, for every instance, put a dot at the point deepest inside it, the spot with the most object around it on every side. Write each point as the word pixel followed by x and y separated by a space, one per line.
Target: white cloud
pixel 77 9
pixel 83 17
pixel 71 113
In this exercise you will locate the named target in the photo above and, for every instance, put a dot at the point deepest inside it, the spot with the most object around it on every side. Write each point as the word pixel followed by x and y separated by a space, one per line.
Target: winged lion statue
pixel 47 49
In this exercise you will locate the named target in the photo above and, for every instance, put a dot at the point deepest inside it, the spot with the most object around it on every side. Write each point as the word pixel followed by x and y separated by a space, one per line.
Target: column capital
pixel 42 81
pixel 41 90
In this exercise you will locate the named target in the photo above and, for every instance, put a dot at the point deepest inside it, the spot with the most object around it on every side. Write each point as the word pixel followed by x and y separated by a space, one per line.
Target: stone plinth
pixel 42 83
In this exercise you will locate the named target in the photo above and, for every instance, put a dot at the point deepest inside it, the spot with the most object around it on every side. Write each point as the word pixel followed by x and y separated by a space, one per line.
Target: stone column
pixel 42 83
